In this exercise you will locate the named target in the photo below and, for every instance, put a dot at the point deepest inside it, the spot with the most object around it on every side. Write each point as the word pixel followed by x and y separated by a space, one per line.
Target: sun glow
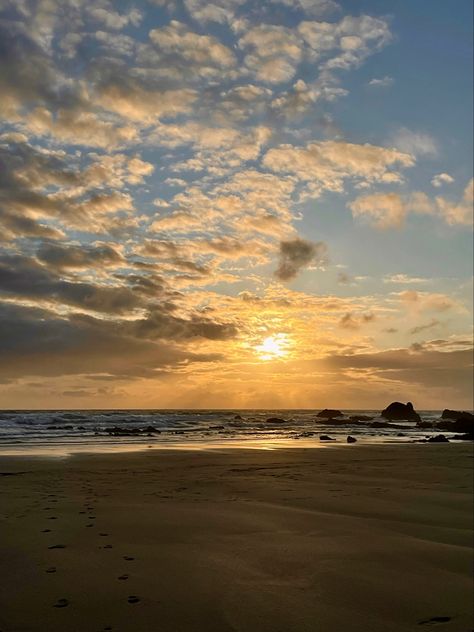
pixel 273 347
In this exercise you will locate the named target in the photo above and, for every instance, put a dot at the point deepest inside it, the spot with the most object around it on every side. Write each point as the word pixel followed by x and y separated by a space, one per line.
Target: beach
pixel 355 537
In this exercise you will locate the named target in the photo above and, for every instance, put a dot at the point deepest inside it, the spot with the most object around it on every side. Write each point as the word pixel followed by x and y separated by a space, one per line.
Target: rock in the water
pixel 329 413
pixel 351 439
pixel 426 424
pixel 457 414
pixel 397 410
pixel 276 420
pixel 468 436
pixel 460 425
pixel 438 439
pixel 326 438
pixel 360 418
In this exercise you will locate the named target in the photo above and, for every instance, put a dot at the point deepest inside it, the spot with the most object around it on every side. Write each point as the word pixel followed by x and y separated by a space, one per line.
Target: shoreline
pixel 70 449
pixel 373 537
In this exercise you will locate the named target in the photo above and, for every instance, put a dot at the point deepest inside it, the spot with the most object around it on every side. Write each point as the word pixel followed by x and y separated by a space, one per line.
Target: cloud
pixel 326 165
pixel 221 11
pixel 415 143
pixel 275 52
pixel 382 210
pixel 39 342
pixel 460 213
pixel 405 279
pixel 71 256
pixel 177 53
pixel 434 322
pixel 441 178
pixel 427 301
pixel 390 210
pixel 297 254
pixel 23 277
pixel 382 82
pixel 354 321
pixel 314 8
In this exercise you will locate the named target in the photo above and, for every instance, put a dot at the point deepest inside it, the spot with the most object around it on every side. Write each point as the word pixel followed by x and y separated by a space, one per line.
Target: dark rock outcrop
pixel 460 425
pixel 399 411
pixel 438 439
pixel 329 413
pixel 351 439
pixel 276 420
pixel 425 424
pixel 326 438
pixel 457 414
pixel 468 436
pixel 360 418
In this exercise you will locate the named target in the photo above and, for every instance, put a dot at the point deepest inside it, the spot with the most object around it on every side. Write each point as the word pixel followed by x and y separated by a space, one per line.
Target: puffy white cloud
pixel 218 11
pixel 191 52
pixel 458 213
pixel 326 164
pixel 275 52
pixel 440 179
pixel 389 210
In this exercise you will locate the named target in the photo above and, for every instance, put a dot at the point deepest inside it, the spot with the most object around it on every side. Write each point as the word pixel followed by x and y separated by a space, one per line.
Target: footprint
pixel 123 577
pixel 61 603
pixel 52 518
pixel 51 569
pixel 435 620
pixel 128 558
pixel 104 535
pixel 89 525
pixel 57 546
pixel 46 531
pixel 133 599
pixel 107 546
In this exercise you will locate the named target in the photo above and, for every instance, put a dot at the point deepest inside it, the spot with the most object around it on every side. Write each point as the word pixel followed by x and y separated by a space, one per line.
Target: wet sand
pixel 353 539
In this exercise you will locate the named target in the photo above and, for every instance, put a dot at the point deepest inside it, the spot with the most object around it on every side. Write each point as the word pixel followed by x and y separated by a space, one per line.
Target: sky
pixel 235 204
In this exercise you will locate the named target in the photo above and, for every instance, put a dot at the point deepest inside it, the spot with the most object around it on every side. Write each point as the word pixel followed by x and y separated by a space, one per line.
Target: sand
pixel 354 539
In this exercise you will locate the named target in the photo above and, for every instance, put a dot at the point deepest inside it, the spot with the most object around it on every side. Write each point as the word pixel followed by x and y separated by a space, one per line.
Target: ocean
pixel 63 432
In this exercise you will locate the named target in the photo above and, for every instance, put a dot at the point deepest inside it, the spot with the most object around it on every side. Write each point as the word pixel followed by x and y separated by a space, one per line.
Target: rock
pixel 386 424
pixel 438 439
pixel 468 436
pixel 351 439
pixel 276 420
pixel 238 418
pixel 425 424
pixel 397 410
pixel 326 438
pixel 329 413
pixel 380 424
pixel 460 425
pixel 360 418
pixel 151 430
pixel 457 414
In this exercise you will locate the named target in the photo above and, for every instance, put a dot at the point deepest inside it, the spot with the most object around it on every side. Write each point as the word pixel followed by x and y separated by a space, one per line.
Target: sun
pixel 273 347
